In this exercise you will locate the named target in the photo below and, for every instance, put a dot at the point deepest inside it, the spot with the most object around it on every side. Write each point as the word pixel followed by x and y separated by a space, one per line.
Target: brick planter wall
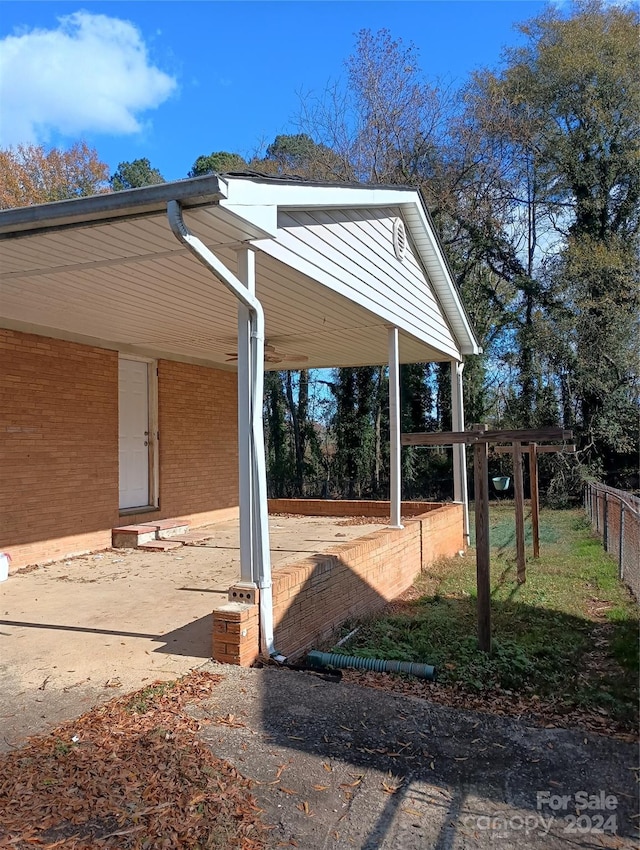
pixel 315 595
pixel 347 507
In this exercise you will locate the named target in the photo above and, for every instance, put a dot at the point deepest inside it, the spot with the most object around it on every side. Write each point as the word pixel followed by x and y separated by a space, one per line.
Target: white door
pixel 133 410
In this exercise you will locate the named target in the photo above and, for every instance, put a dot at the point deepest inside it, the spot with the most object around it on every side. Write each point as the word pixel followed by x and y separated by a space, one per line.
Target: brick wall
pixel 314 596
pixel 58 447
pixel 198 448
pixel 442 533
pixel 235 634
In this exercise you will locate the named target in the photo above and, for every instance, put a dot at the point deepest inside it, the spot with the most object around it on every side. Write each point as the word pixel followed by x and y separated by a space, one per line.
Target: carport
pixel 233 272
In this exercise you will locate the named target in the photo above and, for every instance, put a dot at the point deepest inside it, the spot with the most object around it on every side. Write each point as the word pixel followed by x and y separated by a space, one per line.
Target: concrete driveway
pixel 75 632
pixel 337 766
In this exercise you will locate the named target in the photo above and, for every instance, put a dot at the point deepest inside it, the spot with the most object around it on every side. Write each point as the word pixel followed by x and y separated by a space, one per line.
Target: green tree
pixel 132 175
pixel 294 152
pixel 354 429
pixel 218 162
pixel 571 94
pixel 277 456
pixel 298 155
pixel 301 427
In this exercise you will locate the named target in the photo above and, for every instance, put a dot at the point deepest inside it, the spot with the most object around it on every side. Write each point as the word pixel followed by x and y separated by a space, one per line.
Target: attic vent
pixel 399 238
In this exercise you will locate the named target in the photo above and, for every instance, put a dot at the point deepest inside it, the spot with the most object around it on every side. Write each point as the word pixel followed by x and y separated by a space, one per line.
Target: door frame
pixel 154 434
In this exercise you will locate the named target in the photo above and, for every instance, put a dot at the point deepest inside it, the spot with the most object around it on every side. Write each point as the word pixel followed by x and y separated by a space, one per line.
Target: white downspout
pixel 259 490
pixel 246 274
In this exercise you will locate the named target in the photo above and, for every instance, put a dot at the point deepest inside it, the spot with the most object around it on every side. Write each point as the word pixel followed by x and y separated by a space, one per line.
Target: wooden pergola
pixel 520 441
pixel 532 450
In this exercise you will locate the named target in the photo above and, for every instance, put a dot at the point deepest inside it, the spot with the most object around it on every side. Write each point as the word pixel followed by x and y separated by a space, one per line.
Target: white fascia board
pixel 130 203
pixel 292 196
pixel 429 250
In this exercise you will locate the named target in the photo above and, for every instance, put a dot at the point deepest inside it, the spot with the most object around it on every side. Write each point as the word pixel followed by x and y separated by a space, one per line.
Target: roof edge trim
pixel 195 191
pixel 471 344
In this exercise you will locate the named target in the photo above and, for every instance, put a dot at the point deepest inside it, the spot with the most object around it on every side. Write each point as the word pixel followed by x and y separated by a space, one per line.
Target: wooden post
pixel 533 450
pixel 518 491
pixel 605 523
pixel 535 498
pixel 483 547
pixel 479 436
pixel 621 545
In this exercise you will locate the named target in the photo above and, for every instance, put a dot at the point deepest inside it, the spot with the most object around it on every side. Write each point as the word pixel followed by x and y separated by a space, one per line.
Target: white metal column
pixel 246 274
pixel 460 493
pixel 394 430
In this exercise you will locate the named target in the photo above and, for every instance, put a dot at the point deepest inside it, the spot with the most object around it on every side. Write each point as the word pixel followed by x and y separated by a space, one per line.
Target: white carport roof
pixel 107 270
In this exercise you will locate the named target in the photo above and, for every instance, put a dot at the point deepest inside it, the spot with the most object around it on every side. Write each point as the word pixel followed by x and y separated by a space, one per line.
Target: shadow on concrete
pixel 192 639
pixel 481 765
pixel 432 774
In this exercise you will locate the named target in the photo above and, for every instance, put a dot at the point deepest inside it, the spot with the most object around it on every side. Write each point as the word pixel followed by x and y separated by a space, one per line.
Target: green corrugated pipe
pixel 376 665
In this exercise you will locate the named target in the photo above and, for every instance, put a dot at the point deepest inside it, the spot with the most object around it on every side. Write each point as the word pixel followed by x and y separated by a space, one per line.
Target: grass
pixel 570 633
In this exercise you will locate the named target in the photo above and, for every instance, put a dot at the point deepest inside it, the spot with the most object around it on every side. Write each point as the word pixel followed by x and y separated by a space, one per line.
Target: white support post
pixel 394 430
pixel 246 274
pixel 460 493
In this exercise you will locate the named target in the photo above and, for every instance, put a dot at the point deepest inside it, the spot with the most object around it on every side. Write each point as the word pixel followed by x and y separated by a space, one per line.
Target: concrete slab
pixel 75 632
pixel 339 766
pixel 160 545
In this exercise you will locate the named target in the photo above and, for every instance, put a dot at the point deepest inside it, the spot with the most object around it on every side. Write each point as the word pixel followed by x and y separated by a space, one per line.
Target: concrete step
pixel 166 528
pixel 131 536
pixel 160 545
pixel 193 537
pixel 134 536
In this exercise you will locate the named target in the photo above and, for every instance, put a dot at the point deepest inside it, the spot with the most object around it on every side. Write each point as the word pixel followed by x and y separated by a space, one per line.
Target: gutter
pixel 111 206
pixel 257 460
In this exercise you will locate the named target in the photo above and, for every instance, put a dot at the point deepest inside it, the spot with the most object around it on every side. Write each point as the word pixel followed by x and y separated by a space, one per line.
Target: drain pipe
pixel 376 665
pixel 259 475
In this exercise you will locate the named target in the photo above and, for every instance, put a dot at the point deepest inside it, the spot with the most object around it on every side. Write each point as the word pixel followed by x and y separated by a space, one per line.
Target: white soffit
pixel 122 279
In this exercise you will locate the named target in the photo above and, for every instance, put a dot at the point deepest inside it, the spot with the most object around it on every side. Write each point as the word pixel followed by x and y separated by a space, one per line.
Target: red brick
pixel 59 447
pixel 358 576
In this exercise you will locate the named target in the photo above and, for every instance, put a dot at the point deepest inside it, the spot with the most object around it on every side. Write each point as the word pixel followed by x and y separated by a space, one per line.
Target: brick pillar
pixel 236 634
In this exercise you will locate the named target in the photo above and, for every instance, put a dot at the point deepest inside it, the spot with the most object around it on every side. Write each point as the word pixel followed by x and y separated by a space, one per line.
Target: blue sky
pixel 173 80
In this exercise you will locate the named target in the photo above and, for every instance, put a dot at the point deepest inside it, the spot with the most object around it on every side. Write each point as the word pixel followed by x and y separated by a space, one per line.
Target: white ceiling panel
pixel 126 282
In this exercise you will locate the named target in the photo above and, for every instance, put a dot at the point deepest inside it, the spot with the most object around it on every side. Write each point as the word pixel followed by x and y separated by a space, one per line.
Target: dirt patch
pixel 550 714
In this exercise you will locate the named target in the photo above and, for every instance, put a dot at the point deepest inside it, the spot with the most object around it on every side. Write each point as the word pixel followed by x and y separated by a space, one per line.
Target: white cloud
pixel 91 74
